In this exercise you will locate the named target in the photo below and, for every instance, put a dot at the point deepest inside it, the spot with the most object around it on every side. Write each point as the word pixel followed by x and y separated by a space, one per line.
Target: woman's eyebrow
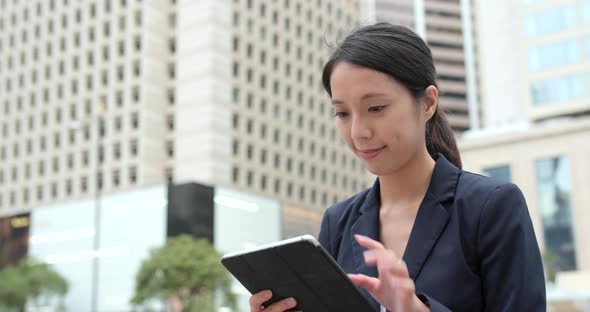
pixel 372 95
pixel 363 98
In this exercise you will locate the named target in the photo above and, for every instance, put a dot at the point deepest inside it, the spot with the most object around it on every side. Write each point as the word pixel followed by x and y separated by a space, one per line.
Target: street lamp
pixel 97 200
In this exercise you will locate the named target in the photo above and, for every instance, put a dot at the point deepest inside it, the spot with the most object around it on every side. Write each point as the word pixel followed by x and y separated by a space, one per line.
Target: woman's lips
pixel 370 153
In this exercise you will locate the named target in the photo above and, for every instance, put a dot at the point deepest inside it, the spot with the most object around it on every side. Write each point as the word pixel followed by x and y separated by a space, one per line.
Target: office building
pixel 541 48
pixel 118 94
pixel 62 235
pixel 533 60
pixel 64 66
pixel 439 22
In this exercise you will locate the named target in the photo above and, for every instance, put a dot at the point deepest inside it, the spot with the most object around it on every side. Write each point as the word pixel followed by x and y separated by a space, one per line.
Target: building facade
pixel 557 50
pixel 533 81
pixel 542 47
pixel 84 87
pixel 440 24
pixel 118 94
pixel 63 235
pixel 549 164
pixel 283 139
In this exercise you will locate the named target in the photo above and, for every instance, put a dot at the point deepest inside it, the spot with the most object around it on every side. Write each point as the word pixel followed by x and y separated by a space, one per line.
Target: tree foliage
pixel 29 279
pixel 186 270
pixel 550 264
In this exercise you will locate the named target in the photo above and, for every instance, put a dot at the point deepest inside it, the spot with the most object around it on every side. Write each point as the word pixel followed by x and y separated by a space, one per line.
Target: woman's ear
pixel 430 102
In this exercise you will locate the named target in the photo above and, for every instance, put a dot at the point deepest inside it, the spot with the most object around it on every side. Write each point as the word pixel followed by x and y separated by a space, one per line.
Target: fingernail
pixel 291 302
pixel 369 256
pixel 267 294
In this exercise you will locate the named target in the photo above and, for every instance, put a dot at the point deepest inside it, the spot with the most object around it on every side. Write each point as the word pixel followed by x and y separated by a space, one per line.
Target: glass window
pixel 249 152
pixel 554 192
pixel 249 126
pixel 116 178
pixel 117 151
pixel 170 122
pixel 69 187
pixel 83 184
pixel 235 174
pixel 134 120
pixel 558 89
pixel 263 183
pixel 170 148
pixel 547 56
pixel 551 21
pixel 585 11
pixel 133 147
pixel 132 175
pixel 499 172
pixel 249 177
pixel 236 147
pixel 587 46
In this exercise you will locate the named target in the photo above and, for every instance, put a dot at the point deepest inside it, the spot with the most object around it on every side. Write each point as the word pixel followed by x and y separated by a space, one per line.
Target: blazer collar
pixel 430 221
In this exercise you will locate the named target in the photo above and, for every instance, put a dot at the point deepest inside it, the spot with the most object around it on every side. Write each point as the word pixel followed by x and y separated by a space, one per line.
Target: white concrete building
pixel 221 92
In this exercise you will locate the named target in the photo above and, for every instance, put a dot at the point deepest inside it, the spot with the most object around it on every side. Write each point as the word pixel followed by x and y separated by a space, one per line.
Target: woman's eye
pixel 376 108
pixel 341 114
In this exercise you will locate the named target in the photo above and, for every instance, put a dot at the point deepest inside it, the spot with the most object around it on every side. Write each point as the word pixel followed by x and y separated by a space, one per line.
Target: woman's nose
pixel 360 129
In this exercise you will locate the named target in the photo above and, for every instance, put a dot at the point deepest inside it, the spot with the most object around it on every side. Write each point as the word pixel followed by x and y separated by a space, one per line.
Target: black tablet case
pixel 301 270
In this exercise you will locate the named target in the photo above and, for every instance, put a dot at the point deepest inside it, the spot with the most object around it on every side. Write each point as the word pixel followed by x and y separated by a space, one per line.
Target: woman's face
pixel 378 117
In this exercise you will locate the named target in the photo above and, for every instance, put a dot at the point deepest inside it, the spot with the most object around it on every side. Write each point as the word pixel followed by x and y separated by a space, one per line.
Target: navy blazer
pixel 472 246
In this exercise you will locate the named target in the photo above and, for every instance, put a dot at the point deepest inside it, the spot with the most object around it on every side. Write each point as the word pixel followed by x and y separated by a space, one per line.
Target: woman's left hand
pixel 394 289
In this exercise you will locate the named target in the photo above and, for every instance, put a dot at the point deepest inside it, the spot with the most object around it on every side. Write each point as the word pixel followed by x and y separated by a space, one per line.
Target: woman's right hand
pixel 258 299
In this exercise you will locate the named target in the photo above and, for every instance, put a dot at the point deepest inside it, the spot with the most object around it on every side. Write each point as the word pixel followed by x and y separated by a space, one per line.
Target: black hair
pixel 402 54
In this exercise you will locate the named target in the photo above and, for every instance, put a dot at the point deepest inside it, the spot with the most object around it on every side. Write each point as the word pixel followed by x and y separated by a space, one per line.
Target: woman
pixel 427 236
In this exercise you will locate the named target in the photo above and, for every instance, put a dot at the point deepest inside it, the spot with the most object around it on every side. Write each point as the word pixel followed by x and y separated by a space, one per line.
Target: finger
pixel 258 299
pixel 387 263
pixel 407 286
pixel 371 284
pixel 368 242
pixel 388 268
pixel 394 266
pixel 371 256
pixel 405 292
pixel 282 305
pixel 404 268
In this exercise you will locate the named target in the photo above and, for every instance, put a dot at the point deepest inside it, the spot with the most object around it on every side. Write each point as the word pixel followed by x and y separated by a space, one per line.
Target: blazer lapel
pixel 429 224
pixel 367 224
pixel 432 216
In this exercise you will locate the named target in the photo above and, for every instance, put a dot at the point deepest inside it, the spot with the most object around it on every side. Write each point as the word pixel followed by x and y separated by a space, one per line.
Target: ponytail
pixel 440 138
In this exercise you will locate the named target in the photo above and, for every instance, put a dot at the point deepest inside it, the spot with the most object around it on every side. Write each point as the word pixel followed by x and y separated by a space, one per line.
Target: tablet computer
pixel 298 267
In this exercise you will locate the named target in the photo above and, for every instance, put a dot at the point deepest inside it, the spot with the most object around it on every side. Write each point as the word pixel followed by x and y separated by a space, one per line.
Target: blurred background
pixel 125 123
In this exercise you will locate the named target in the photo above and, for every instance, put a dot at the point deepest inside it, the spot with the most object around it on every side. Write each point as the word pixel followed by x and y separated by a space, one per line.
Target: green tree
pixel 30 280
pixel 183 270
pixel 550 264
